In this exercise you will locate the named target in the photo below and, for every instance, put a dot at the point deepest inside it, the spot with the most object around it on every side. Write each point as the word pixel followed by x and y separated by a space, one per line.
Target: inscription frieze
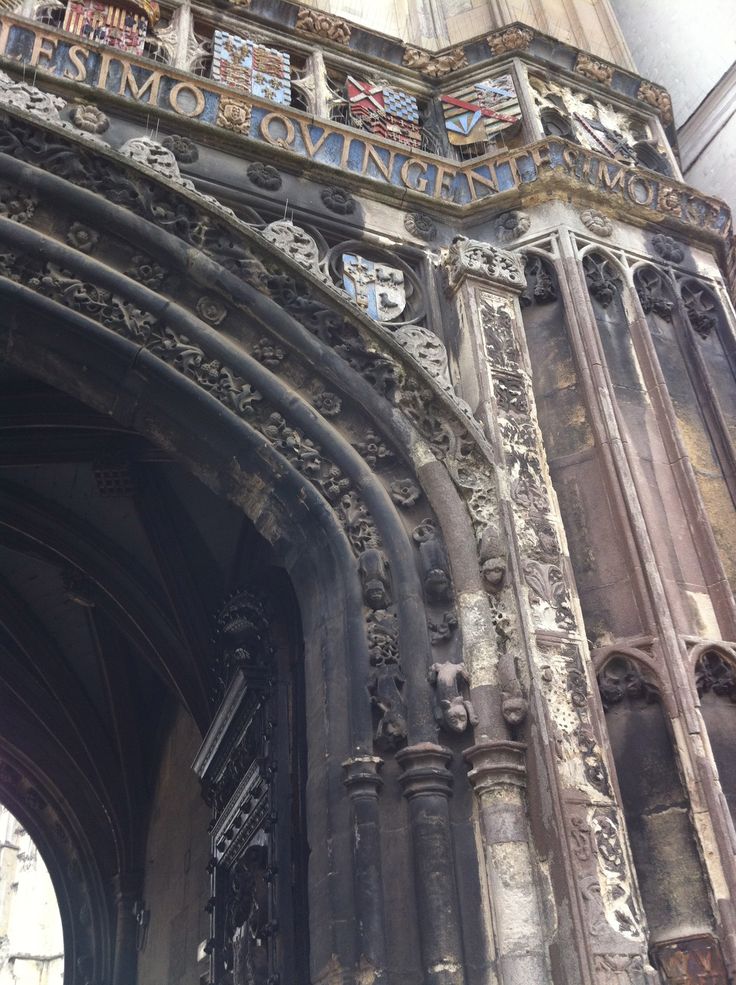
pixel 151 85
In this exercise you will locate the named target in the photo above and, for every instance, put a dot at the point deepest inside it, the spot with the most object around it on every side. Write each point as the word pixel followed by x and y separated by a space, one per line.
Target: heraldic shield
pixel 482 111
pixel 251 67
pixel 375 287
pixel 385 111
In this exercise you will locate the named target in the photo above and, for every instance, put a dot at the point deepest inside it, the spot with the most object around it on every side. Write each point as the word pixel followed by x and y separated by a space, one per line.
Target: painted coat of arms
pixel 379 290
pixel 122 27
pixel 382 110
pixel 251 67
pixel 482 111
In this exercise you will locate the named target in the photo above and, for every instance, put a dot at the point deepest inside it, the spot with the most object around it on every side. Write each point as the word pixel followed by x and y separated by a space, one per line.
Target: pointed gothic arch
pixel 352 460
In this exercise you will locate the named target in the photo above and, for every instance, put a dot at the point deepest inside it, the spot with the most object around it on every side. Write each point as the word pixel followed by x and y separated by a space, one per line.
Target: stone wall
pixel 176 885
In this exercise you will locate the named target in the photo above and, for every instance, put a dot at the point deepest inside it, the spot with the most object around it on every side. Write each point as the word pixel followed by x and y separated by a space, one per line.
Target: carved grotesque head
pixel 514 709
pixel 455 714
pixel 437 584
pixel 494 570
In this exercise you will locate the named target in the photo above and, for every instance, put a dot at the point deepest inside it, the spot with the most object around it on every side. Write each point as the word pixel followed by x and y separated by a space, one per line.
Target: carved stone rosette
pixel 486 283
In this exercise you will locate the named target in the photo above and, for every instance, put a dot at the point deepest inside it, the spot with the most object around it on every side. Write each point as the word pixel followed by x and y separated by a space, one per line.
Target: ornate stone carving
pixel 441 632
pixel 509 39
pixel 327 403
pixel 596 222
pixel 468 257
pixel 385 687
pixel 89 118
pixel 622 678
pixel 374 577
pixel 593 69
pixel 492 560
pixel 297 244
pixel 695 960
pixel 81 237
pixel 603 278
pixel 374 450
pixel 453 709
pixel 541 282
pixel 183 148
pixel 658 98
pixel 650 287
pixel 269 353
pixel 234 114
pixel 668 248
pixel 421 225
pixel 211 310
pixel 16 204
pixel 383 638
pixel 430 353
pixel 405 492
pixel 497 322
pixel 265 176
pixel 701 308
pixel 435 66
pixel 323 25
pixel 153 155
pixel 512 225
pixel 146 271
pixel 436 579
pixel 242 642
pixel 713 672
pixel 31 99
pixel 338 200
pixel 177 42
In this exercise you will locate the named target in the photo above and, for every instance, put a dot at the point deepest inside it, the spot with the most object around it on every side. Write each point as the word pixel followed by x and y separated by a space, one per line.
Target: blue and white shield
pixel 376 288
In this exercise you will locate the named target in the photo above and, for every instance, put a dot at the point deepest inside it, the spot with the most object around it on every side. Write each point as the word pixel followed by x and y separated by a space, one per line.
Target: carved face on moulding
pixel 589 121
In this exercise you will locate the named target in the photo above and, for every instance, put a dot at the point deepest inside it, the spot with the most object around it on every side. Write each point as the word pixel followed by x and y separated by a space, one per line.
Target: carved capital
pixel 426 770
pixel 496 766
pixel 362 776
pixel 658 98
pixel 471 258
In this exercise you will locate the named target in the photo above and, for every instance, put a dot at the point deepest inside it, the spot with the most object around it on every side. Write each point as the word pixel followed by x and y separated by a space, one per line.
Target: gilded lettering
pixel 150 86
pixel 105 60
pixel 77 54
pixel 40 50
pixel 570 158
pixel 540 156
pixel 609 183
pixel 417 181
pixel 283 139
pixel 640 190
pixel 444 188
pixel 195 98
pixel 312 146
pixel 385 167
pixel 490 183
pixel 5 26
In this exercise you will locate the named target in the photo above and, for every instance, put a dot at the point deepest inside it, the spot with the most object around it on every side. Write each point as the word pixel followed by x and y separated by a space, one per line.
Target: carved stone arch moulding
pixel 208 270
pixel 714 669
pixel 73 866
pixel 655 290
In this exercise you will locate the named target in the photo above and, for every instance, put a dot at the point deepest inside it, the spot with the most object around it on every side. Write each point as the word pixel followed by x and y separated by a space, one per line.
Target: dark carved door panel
pixel 251 765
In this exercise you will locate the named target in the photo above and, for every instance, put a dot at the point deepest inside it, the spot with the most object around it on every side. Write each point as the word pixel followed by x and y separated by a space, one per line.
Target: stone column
pixel 498 776
pixel 427 785
pixel 542 657
pixel 363 783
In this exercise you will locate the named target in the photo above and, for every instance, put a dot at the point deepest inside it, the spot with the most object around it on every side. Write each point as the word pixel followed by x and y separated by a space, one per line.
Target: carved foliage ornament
pixel 603 278
pixel 658 98
pixel 701 308
pixel 509 39
pixel 593 69
pixel 713 672
pixel 467 257
pixel 323 25
pixel 89 118
pixel 435 66
pixel 596 222
pixel 668 248
pixel 421 225
pixel 652 290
